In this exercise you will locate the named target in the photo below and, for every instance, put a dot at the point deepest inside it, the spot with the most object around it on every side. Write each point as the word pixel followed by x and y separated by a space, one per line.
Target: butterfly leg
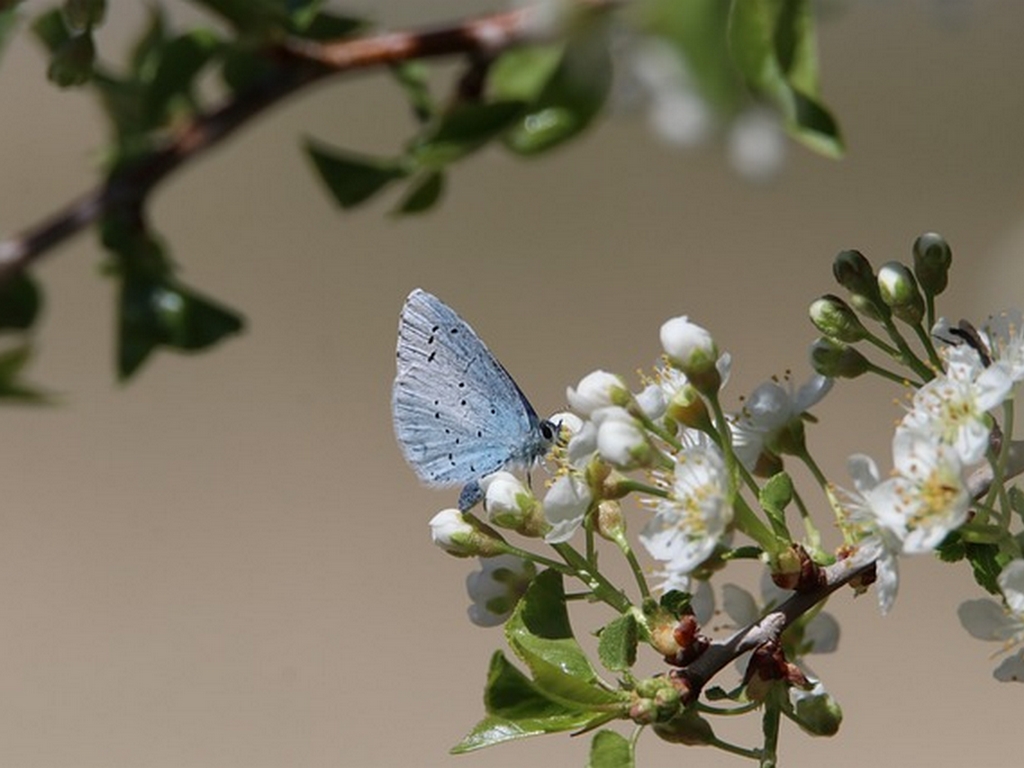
pixel 471 495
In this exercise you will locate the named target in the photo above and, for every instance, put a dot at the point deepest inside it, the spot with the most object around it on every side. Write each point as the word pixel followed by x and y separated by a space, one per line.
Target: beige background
pixel 226 562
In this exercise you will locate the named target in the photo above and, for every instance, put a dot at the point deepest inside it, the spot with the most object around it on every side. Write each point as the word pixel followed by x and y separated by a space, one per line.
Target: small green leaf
pixel 572 96
pixel 50 30
pixel 774 497
pixel 520 74
pixel 617 643
pixel 244 66
pixel 353 179
pixel 609 749
pixel 513 696
pixel 20 300
pixel 181 61
pixel 412 76
pixel 12 363
pixel 463 129
pixel 675 602
pixel 496 730
pixel 540 635
pixel 423 193
pixel 774 46
pixel 986 564
pixel 161 312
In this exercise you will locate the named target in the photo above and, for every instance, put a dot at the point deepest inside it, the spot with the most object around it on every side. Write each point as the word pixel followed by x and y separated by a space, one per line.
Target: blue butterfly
pixel 458 414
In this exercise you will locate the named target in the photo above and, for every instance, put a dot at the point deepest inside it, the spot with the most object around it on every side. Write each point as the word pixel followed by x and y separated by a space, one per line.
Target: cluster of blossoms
pixel 670 444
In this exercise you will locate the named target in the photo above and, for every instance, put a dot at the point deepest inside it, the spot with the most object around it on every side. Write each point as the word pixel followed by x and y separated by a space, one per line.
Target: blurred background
pixel 226 562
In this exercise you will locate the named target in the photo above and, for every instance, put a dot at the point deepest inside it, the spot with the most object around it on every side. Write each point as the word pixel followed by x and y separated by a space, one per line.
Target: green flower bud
pixel 932 258
pixel 830 358
pixel 898 289
pixel 837 320
pixel 853 271
pixel 819 714
pixel 687 728
pixel 611 524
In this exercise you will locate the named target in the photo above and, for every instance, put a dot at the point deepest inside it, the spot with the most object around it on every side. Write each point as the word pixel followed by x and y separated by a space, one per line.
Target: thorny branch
pixel 300 63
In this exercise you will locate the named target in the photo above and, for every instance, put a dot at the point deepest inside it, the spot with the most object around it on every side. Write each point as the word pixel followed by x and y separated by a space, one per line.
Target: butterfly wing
pixel 458 414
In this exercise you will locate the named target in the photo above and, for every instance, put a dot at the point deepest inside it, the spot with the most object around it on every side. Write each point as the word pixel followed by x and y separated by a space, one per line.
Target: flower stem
pixel 603 589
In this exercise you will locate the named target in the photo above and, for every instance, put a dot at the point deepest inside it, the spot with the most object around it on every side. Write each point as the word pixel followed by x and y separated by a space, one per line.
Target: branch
pixel 301 62
pixel 770 627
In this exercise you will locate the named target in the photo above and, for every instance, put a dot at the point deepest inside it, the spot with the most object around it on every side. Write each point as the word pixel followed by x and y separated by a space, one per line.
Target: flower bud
pixel 818 713
pixel 508 503
pixel 622 442
pixel 854 273
pixel 692 350
pixel 932 259
pixel 688 408
pixel 837 320
pixel 598 389
pixel 829 358
pixel 452 533
pixel 686 728
pixel 898 289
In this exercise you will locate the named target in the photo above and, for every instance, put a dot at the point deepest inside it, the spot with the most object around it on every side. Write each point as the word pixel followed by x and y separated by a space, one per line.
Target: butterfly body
pixel 458 415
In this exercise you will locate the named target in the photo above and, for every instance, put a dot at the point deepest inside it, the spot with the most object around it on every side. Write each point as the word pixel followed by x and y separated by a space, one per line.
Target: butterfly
pixel 458 415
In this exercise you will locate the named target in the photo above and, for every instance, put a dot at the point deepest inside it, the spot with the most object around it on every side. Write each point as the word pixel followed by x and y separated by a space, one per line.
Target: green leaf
pixel 540 635
pixel 986 564
pixel 181 61
pixel 609 749
pixel 517 709
pixel 573 95
pixel 423 193
pixel 773 44
pixel 676 602
pixel 617 643
pixel 20 300
pixel 12 363
pixel 774 497
pixel 50 29
pixel 161 312
pixel 353 179
pixel 412 76
pixel 696 32
pixel 520 74
pixel 243 66
pixel 462 129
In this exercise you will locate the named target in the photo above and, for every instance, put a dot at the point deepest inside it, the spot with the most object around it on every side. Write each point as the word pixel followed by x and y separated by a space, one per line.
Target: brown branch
pixel 300 63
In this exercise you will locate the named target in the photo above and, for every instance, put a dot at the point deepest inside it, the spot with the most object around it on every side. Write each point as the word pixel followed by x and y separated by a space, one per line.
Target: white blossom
pixel 449 530
pixel 769 410
pixel 598 389
pixel 954 406
pixel 1005 335
pixel 496 588
pixel 689 524
pixel 565 505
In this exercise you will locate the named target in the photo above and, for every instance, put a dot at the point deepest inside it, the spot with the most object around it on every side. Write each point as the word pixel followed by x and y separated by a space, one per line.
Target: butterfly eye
pixel 547 431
